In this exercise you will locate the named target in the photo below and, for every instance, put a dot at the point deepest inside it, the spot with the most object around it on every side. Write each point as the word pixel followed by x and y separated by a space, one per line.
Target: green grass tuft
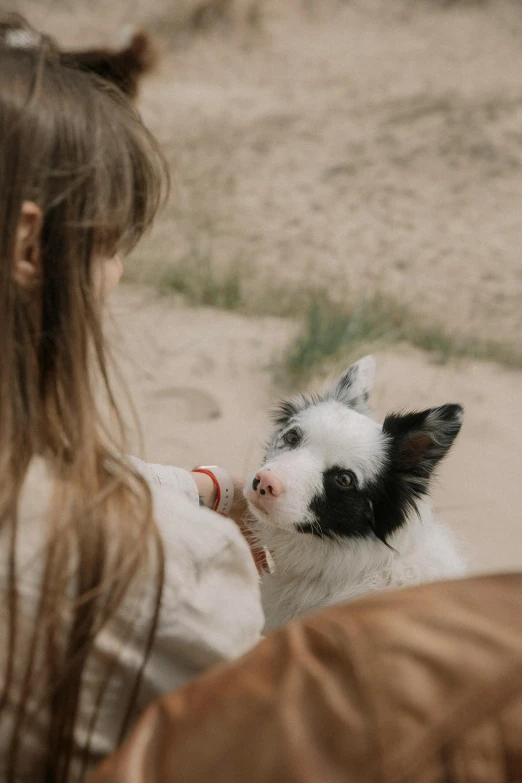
pixel 445 347
pixel 330 329
pixel 196 279
pixel 330 332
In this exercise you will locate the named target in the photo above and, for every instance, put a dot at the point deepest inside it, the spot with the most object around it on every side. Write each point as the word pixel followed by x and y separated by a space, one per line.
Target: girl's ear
pixel 26 258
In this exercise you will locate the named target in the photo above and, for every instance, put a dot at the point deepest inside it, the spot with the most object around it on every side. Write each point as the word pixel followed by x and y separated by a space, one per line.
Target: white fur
pixel 310 573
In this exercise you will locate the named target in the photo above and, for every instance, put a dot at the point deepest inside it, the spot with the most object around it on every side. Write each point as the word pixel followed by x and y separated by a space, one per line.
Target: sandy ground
pixel 358 149
pixel 362 147
pixel 202 386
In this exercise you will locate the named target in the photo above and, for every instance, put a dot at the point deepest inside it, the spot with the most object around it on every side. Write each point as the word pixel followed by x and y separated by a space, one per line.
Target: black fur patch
pixel 414 444
pixel 339 512
pixel 377 510
pixel 288 408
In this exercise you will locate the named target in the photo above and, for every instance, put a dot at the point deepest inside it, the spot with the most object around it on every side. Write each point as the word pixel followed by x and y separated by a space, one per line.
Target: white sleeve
pixel 211 608
pixel 176 480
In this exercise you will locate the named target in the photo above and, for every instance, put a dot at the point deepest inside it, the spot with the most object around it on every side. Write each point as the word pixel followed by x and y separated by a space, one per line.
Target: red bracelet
pixel 224 487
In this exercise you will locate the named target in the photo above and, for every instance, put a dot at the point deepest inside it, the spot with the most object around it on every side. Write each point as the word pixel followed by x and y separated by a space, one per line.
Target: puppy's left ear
pixel 355 385
pixel 420 440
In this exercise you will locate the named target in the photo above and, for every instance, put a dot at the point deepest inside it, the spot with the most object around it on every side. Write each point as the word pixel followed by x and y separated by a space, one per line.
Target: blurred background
pixel 347 177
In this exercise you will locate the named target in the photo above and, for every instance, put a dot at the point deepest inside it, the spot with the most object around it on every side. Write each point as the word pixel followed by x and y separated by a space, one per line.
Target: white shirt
pixel 211 609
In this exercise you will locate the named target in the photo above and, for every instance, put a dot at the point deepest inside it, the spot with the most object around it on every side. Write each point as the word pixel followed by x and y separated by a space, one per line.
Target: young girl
pixel 115 586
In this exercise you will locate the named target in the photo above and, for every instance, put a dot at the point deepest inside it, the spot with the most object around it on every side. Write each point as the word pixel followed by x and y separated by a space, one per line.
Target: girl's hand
pixel 206 489
pixel 239 511
pixel 208 495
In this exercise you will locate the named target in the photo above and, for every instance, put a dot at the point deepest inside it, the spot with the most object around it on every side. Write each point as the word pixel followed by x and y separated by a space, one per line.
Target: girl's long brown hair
pixel 76 148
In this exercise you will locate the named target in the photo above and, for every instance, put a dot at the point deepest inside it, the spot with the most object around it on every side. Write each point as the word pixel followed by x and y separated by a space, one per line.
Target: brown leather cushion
pixel 421 685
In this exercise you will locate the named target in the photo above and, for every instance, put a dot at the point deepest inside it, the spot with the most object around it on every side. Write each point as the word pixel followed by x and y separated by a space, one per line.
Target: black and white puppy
pixel 341 502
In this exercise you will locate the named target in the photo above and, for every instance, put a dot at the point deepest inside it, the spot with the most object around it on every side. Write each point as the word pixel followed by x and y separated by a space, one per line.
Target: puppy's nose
pixel 267 483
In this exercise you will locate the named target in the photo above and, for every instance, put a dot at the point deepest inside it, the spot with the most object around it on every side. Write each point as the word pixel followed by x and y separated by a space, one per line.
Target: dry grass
pixel 329 331
pixel 195 278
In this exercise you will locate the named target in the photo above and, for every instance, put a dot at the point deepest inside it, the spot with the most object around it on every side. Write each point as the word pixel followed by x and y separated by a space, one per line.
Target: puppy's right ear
pixel 419 441
pixel 355 385
pixel 416 443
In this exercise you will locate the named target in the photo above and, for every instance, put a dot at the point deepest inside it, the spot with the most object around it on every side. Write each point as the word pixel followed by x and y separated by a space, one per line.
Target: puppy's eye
pixel 345 480
pixel 291 438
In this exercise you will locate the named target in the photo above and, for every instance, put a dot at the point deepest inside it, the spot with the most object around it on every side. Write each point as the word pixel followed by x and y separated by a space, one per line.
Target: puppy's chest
pixel 287 596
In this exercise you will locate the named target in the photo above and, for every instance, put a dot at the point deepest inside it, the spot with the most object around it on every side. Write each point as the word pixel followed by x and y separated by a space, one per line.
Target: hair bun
pixel 17 33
